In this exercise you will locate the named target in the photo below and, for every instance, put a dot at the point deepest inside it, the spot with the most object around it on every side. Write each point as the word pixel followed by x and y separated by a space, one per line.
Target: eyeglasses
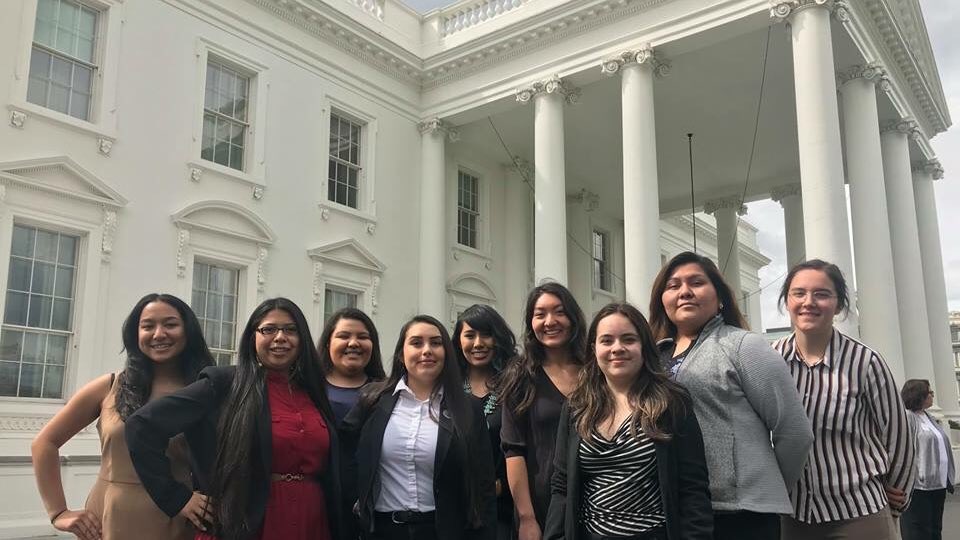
pixel 819 295
pixel 270 330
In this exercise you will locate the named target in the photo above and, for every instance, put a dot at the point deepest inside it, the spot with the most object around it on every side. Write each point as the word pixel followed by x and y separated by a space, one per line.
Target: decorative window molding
pixel 347 266
pixel 481 252
pixel 467 289
pixel 366 203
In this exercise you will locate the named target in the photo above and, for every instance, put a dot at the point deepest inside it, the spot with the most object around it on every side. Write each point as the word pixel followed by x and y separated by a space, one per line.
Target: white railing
pixel 464 16
pixel 373 7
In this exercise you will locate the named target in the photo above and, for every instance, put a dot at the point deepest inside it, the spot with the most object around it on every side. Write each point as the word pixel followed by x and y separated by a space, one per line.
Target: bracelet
pixel 58 514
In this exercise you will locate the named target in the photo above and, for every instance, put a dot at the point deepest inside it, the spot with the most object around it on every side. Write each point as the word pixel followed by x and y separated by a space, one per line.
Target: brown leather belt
pixel 291 477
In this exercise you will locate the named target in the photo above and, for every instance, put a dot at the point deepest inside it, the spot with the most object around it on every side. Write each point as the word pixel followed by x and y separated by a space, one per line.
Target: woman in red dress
pixel 264 455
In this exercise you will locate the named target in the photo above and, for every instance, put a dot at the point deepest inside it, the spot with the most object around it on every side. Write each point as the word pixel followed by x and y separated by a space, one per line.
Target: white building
pixel 357 152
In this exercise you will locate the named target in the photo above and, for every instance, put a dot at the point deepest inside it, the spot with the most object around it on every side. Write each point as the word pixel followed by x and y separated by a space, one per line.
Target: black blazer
pixel 194 411
pixel 362 433
pixel 682 471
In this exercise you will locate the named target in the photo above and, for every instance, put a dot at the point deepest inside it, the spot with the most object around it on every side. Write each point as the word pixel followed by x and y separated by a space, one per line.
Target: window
pixel 335 299
pixel 37 324
pixel 955 334
pixel 215 291
pixel 343 177
pixel 468 209
pixel 225 107
pixel 63 57
pixel 601 261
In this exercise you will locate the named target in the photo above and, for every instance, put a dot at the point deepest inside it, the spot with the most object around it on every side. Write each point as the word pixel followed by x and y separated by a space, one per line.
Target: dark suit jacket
pixel 194 411
pixel 682 471
pixel 362 433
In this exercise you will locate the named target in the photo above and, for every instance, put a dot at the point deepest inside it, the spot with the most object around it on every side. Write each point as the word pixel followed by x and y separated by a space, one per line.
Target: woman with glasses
pixel 861 467
pixel 264 450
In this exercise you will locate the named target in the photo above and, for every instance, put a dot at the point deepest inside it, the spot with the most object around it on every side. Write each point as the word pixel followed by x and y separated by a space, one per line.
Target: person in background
pixel 484 345
pixel 923 519
pixel 861 466
pixel 165 350
pixel 755 433
pixel 349 349
pixel 534 389
pixel 629 463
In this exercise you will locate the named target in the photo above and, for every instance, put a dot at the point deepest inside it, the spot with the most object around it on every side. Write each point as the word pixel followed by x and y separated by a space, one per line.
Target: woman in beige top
pixel 165 351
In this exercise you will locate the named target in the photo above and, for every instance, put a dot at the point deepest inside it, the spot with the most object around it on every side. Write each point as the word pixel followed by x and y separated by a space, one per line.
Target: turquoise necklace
pixel 489 402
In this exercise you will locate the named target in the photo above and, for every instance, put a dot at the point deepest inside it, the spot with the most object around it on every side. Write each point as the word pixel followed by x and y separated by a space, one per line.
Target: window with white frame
pixel 37 319
pixel 343 176
pixel 63 57
pixel 336 299
pixel 226 102
pixel 468 209
pixel 215 291
pixel 601 260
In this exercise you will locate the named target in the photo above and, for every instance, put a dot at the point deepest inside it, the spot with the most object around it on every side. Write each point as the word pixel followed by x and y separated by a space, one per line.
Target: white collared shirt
pixel 408 453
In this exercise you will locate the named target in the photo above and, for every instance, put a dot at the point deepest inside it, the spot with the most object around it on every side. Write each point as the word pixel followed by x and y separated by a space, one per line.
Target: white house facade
pixel 356 152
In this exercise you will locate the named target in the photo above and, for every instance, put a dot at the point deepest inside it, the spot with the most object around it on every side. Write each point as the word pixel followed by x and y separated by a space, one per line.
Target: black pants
pixel 923 519
pixel 745 525
pixel 386 529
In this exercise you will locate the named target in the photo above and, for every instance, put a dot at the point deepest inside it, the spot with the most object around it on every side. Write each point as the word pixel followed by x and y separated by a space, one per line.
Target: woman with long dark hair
pixel 423 459
pixel 265 455
pixel 629 461
pixel 349 349
pixel 755 432
pixel 484 344
pixel 165 351
pixel 534 389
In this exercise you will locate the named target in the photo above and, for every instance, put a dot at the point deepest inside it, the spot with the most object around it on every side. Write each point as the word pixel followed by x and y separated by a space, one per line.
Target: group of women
pixel 684 427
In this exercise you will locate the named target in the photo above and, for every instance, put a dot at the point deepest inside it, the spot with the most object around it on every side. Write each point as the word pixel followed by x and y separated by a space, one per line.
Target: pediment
pixel 473 285
pixel 60 176
pixel 348 252
pixel 227 218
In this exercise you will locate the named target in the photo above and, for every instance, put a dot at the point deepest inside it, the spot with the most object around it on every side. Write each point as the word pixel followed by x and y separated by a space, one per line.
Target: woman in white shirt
pixel 923 519
pixel 424 468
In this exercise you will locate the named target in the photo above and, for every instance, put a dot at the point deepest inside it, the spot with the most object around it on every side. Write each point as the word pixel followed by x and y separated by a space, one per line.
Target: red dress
pixel 301 445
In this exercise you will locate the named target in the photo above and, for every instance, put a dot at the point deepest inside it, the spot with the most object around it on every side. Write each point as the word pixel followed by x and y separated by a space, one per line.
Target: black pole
pixel 693 205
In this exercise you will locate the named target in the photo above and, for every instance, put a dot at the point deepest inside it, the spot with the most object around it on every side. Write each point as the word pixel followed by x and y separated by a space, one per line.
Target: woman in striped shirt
pixel 629 462
pixel 861 464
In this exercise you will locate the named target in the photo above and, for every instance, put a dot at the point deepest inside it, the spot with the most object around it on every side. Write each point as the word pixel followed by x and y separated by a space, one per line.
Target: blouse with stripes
pixel 621 489
pixel 861 432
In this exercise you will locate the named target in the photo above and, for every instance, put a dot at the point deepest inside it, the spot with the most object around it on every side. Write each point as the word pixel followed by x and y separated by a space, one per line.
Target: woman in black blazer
pixel 423 464
pixel 629 462
pixel 264 451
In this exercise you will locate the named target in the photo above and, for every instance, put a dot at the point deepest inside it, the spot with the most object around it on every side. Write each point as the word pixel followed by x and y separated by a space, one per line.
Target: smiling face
pixel 161 335
pixel 350 347
pixel 618 348
pixel 690 298
pixel 277 340
pixel 477 346
pixel 812 301
pixel 550 323
pixel 423 354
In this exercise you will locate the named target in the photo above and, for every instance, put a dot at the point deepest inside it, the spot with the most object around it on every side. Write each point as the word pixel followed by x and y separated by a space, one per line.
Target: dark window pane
pixel 46 246
pixel 56 350
pixel 31 380
pixel 53 382
pixel 42 282
pixel 10 345
pixel 61 315
pixel 9 374
pixel 23 240
pixel 63 285
pixel 19 274
pixel 68 250
pixel 15 311
pixel 40 309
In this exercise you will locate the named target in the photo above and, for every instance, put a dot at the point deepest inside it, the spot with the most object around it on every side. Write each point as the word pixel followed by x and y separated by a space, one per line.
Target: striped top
pixel 861 433
pixel 621 489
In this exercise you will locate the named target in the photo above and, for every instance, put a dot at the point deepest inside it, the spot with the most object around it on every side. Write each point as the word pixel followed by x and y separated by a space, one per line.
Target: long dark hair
pixel 518 385
pixel 374 367
pixel 656 401
pixel 136 380
pixel 831 270
pixel 486 320
pixel 237 449
pixel 454 400
pixel 661 325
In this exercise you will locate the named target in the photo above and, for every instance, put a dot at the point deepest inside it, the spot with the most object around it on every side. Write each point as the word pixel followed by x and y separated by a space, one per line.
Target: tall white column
pixel 818 134
pixel 879 324
pixel 433 227
pixel 519 237
pixel 792 203
pixel 550 207
pixel 641 199
pixel 725 211
pixel 934 286
pixel 908 270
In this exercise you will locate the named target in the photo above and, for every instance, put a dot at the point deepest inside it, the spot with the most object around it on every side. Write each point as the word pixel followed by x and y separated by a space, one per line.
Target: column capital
pixel 644 56
pixel 781 10
pixel 871 72
pixel 553 85
pixel 733 202
pixel 907 126
pixel 930 166
pixel 779 193
pixel 438 126
pixel 585 197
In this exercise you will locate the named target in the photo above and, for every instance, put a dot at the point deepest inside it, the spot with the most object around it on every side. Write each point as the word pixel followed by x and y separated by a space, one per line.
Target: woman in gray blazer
pixel 756 434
